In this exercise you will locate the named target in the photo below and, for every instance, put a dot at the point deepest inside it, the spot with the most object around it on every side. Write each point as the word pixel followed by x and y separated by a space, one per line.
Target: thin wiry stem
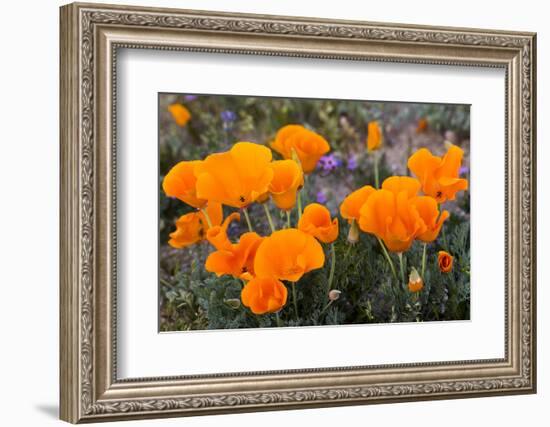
pixel 245 211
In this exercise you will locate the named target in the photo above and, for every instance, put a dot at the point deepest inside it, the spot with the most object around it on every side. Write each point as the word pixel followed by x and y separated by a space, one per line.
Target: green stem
pixel 332 267
pixel 294 299
pixel 387 255
pixel 424 260
pixel 278 318
pixel 287 219
pixel 446 245
pixel 208 220
pixel 245 211
pixel 299 205
pixel 376 173
pixel 401 266
pixel 269 219
pixel 326 307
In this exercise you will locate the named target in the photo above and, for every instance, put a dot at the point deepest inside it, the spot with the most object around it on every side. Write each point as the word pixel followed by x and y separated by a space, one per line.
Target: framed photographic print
pixel 264 212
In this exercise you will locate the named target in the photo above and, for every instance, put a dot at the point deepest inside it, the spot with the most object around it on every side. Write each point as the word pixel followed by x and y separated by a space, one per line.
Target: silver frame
pixel 90 37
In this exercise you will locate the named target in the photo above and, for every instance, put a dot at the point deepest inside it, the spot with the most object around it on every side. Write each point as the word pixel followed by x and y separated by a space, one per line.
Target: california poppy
pixel 445 261
pixel 428 210
pixel 264 295
pixel 180 182
pixel 422 125
pixel 398 184
pixel 349 209
pixel 316 221
pixel 237 177
pixel 217 235
pixel 309 146
pixel 180 114
pixel 393 218
pixel 286 182
pixel 416 284
pixel 439 176
pixel 375 137
pixel 288 254
pixel 193 227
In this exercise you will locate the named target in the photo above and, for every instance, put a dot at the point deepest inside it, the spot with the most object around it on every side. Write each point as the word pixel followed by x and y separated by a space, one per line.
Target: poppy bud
pixel 445 261
pixel 334 294
pixel 353 234
pixel 416 284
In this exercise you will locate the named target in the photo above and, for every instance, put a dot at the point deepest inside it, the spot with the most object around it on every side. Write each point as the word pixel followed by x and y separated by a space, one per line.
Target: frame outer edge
pixel 69 354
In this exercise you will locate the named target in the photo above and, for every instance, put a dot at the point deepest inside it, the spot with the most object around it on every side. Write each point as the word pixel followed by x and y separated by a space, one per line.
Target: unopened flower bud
pixel 334 294
pixel 353 234
pixel 415 281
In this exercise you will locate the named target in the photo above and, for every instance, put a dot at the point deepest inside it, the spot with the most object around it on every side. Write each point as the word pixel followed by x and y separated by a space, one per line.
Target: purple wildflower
pixel 463 170
pixel 228 116
pixel 329 163
pixel 352 162
pixel 190 97
pixel 321 197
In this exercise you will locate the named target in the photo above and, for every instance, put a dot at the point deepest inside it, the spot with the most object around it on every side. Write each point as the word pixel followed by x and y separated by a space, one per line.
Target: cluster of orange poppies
pixel 244 175
pixel 397 215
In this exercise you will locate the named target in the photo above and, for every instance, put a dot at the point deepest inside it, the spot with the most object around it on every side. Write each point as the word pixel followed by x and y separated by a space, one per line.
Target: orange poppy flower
pixel 237 177
pixel 309 146
pixel 316 222
pixel 393 218
pixel 217 235
pixel 288 178
pixel 349 209
pixel 422 125
pixel 429 212
pixel 288 254
pixel 375 136
pixel 180 114
pixel 398 184
pixel 192 227
pixel 264 295
pixel 445 261
pixel 439 176
pixel 180 182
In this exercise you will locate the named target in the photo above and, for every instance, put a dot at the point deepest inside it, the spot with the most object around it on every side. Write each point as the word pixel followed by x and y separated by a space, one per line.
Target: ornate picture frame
pixel 90 37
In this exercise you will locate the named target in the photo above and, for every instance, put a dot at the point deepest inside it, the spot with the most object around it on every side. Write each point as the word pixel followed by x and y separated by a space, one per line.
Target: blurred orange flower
pixel 264 295
pixel 287 180
pixel 349 209
pixel 439 176
pixel 180 114
pixel 375 136
pixel 393 218
pixel 288 254
pixel 422 125
pixel 235 259
pixel 445 261
pixel 316 222
pixel 237 177
pixel 309 146
pixel 428 210
pixel 192 227
pixel 180 182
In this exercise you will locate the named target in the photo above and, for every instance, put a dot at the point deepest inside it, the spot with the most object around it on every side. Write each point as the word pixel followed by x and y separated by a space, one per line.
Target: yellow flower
pixel 316 222
pixel 288 254
pixel 192 227
pixel 264 295
pixel 180 114
pixel 439 176
pixel 237 177
pixel 308 145
pixel 180 182
pixel 375 136
pixel 288 178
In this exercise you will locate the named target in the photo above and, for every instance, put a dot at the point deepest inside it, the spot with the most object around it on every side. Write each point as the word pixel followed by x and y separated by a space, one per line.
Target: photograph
pixel 290 212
